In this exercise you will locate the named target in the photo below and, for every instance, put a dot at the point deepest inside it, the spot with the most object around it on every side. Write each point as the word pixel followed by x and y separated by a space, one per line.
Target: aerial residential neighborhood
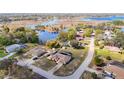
pixel 61 46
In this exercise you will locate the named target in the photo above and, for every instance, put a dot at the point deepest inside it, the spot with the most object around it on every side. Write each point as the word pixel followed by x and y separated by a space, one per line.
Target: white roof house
pixel 14 48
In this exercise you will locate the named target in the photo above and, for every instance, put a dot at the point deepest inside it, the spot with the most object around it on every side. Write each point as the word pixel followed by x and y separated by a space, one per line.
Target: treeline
pixel 19 35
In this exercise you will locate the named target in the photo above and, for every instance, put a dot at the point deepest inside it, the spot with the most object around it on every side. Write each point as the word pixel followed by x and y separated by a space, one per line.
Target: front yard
pixel 78 57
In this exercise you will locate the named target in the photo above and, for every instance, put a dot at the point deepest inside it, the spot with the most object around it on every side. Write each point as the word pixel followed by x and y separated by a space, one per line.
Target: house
pixel 115 69
pixel 79 35
pixel 14 48
pixel 108 34
pixel 61 57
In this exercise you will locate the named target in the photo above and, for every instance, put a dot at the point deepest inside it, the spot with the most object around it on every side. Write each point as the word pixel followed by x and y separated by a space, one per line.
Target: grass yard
pixel 2 53
pixel 77 53
pixel 3 73
pixel 78 57
pixel 19 72
pixel 114 55
pixel 45 64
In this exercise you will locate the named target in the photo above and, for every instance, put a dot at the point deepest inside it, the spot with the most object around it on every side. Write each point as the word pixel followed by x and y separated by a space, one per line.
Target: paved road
pixel 6 57
pixel 75 75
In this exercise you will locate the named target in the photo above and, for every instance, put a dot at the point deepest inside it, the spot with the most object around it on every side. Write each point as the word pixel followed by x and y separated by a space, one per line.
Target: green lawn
pixel 2 53
pixel 113 55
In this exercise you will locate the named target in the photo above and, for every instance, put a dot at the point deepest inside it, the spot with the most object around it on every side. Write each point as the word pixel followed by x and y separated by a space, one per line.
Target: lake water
pixel 44 36
pixel 122 29
pixel 109 18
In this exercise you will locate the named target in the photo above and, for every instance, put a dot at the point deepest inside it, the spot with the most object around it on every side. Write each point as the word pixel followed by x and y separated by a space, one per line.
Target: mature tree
pixel 98 31
pixel 6 41
pixel 6 29
pixel 75 44
pixel 119 39
pixel 63 36
pixel 94 75
pixel 20 29
pixel 88 32
pixel 118 22
pixel 53 44
pixel 71 34
pixel 98 61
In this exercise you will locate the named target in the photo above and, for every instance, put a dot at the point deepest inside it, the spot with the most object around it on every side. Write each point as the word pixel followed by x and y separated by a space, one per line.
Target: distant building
pixel 14 48
pixel 79 35
pixel 108 34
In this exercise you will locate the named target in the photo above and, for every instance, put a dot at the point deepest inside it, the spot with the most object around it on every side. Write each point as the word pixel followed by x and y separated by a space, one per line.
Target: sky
pixel 60 6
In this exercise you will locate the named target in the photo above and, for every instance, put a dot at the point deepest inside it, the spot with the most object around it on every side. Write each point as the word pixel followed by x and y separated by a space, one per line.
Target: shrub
pixel 101 46
pixel 108 58
pixel 98 61
pixel 53 44
pixel 96 43
pixel 94 75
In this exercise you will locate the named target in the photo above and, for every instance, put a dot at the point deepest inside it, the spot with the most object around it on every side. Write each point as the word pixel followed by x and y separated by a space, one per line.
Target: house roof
pixel 117 71
pixel 12 48
pixel 58 57
pixel 116 68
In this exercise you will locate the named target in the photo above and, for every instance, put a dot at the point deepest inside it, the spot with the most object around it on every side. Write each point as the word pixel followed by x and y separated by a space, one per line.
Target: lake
pixel 122 29
pixel 44 36
pixel 109 18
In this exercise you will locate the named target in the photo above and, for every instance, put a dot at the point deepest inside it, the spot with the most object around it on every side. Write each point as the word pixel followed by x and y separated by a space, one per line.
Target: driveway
pixel 6 57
